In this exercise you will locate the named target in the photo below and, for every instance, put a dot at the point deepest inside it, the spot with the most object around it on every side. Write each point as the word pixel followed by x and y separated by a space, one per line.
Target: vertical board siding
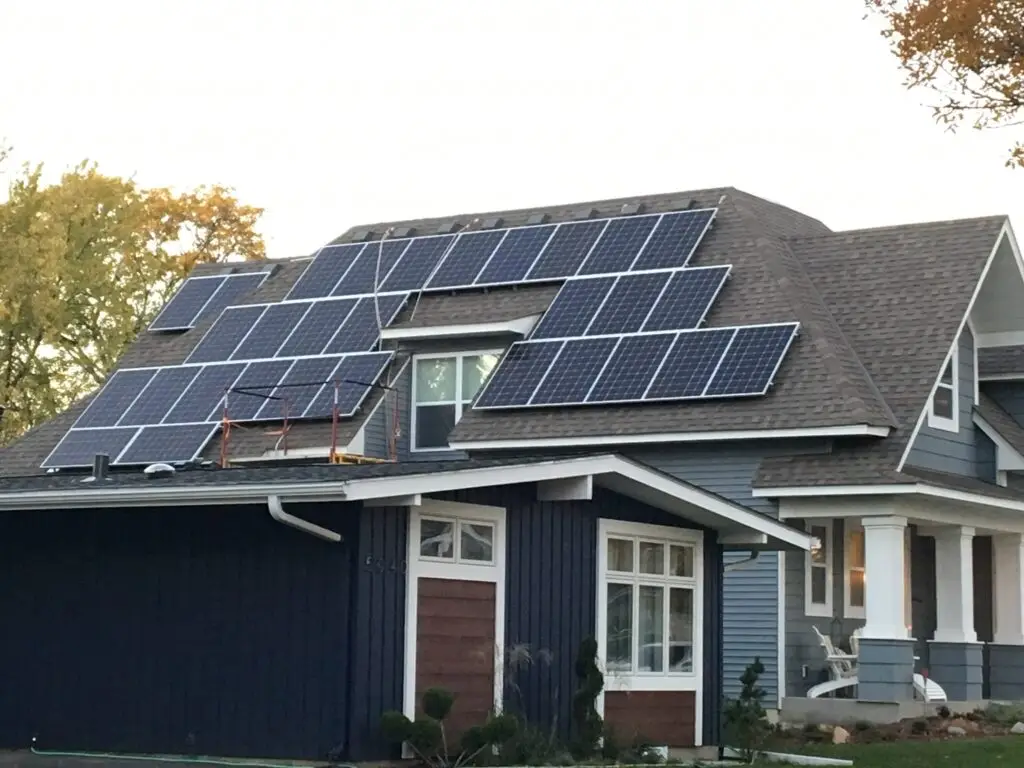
pixel 183 631
pixel 378 628
pixel 942 451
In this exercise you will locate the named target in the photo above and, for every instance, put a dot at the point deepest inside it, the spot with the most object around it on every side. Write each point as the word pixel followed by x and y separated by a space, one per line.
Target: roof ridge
pixel 894 227
pixel 851 379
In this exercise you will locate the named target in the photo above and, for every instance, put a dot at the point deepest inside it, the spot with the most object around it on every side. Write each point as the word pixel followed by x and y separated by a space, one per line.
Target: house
pixel 443 452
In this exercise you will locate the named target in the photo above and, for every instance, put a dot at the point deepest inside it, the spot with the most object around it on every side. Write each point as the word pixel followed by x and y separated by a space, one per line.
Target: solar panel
pixel 274 326
pixel 689 364
pixel 231 290
pixel 566 250
pixel 619 245
pixel 204 398
pixel 298 388
pixel 630 368
pixel 518 374
pixel 687 299
pixel 513 258
pixel 360 331
pixel 325 271
pixel 751 361
pixel 220 340
pixel 674 239
pixel 572 374
pixel 573 308
pixel 629 303
pixel 251 389
pixel 116 396
pixel 159 396
pixel 78 447
pixel 417 263
pixel 466 258
pixel 171 444
pixel 180 312
pixel 317 328
pixel 353 380
pixel 366 274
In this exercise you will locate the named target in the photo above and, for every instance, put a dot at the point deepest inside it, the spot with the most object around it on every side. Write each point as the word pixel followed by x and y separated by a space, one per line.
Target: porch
pixel 932 587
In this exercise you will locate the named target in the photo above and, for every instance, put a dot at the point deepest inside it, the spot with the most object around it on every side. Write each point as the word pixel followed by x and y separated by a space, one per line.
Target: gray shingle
pixel 1001 421
pixel 1001 361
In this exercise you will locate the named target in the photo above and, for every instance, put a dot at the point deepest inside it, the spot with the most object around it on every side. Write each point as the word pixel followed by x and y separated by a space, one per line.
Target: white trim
pixel 655 681
pixel 1000 339
pixel 974 360
pixel 820 610
pixel 780 629
pixel 850 611
pixel 1002 377
pixel 1008 458
pixel 460 403
pixel 921 489
pixel 852 430
pixel 418 568
pixel 1005 231
pixel 951 423
pixel 518 327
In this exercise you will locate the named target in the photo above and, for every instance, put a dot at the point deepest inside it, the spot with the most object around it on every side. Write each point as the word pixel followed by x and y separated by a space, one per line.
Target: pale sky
pixel 332 114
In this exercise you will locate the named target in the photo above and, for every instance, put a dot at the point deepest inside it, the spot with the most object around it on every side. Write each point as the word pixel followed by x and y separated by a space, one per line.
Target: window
pixel 443 387
pixel 818 571
pixel 853 581
pixel 456 541
pixel 650 604
pixel 943 412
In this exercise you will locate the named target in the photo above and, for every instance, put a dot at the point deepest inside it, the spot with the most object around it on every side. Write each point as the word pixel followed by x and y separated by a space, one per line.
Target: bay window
pixel 443 387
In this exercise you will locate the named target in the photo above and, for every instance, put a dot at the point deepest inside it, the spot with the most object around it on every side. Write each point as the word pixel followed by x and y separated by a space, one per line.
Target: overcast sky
pixel 331 114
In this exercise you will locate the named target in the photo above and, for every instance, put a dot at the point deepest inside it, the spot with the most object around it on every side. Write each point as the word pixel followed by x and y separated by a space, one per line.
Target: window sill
pixel 818 611
pixel 940 422
pixel 683 681
pixel 850 612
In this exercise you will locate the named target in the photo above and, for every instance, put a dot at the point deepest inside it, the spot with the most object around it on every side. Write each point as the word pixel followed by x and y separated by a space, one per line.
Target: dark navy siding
pixel 189 631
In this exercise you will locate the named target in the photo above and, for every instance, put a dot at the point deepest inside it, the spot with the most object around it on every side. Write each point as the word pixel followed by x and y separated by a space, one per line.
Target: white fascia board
pixel 1000 339
pixel 1002 377
pixel 1008 458
pixel 853 430
pixel 921 489
pixel 518 327
pixel 1005 232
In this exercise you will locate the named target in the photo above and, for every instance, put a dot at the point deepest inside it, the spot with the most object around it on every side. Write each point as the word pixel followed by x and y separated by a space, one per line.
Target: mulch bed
pixel 919 729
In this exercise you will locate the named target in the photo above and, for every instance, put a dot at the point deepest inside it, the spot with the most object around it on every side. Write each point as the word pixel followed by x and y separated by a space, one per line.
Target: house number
pixel 380 564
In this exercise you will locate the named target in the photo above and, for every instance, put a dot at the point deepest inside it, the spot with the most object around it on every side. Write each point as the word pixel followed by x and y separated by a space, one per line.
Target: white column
pixel 1008 586
pixel 884 585
pixel 954 585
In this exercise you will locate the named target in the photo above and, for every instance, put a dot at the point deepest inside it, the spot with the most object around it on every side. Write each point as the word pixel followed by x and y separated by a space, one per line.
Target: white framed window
pixel 853 571
pixel 818 570
pixel 451 540
pixel 943 410
pixel 650 604
pixel 443 386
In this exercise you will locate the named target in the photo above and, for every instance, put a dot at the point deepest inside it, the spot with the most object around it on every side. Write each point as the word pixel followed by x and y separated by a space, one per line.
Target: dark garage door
pixel 183 631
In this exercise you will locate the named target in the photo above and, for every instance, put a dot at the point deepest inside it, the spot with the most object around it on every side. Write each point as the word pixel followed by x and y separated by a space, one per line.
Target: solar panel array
pixel 203 296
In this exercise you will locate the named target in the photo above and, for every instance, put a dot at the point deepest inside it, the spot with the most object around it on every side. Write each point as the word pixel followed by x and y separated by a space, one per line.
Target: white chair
pixel 925 688
pixel 842 669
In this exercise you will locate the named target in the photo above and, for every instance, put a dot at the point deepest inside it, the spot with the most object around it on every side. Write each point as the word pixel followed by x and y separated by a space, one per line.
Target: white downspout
pixel 277 512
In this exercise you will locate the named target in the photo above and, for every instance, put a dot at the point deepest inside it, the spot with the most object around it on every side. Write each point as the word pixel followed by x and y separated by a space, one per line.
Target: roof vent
pixel 632 209
pixel 688 204
pixel 362 235
pixel 404 232
pixel 448 227
pixel 100 465
pixel 586 213
pixel 492 223
pixel 538 218
pixel 154 471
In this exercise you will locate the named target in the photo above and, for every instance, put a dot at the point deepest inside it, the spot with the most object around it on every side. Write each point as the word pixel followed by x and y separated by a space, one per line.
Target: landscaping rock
pixel 1018 728
pixel 825 727
pixel 840 735
pixel 955 730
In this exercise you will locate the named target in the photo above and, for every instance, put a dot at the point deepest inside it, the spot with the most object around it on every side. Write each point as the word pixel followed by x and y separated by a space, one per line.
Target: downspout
pixel 744 563
pixel 277 512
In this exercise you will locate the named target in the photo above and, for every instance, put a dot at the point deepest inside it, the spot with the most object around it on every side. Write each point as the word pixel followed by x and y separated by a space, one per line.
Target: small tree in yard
pixel 746 722
pixel 587 721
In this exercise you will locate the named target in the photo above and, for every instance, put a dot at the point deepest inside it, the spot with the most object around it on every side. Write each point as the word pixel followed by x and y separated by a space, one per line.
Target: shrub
pixel 588 723
pixel 919 726
pixel 944 712
pixel 862 725
pixel 746 722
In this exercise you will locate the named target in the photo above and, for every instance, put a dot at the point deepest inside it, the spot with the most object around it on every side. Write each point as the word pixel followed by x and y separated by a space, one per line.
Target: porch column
pixel 885 663
pixel 1006 653
pixel 956 659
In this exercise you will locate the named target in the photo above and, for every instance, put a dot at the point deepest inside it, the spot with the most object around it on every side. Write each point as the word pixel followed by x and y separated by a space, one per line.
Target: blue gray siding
pixel 985 457
pixel 943 451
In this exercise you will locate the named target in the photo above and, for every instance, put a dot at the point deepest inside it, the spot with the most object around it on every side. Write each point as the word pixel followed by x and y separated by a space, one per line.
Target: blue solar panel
pixel 630 368
pixel 224 335
pixel 687 300
pixel 159 396
pixel 573 308
pixel 252 388
pixel 179 314
pixel 619 245
pixel 299 387
pixel 573 372
pixel 417 263
pixel 629 303
pixel 674 240
pixel 371 267
pixel 518 374
pixel 317 328
pixel 79 447
pixel 274 326
pixel 751 361
pixel 513 258
pixel 352 381
pixel 174 444
pixel 689 365
pixel 466 258
pixel 117 395
pixel 325 271
pixel 231 290
pixel 204 398
pixel 566 250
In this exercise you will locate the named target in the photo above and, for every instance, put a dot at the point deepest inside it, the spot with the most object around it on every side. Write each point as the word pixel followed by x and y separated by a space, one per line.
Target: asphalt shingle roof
pixel 1001 421
pixel 1001 361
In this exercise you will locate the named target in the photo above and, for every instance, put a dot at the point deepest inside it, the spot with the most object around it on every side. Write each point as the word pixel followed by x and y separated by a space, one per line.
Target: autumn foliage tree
pixel 85 264
pixel 969 53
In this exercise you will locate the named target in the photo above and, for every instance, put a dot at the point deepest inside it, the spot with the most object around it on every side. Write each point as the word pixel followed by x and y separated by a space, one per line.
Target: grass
pixel 968 753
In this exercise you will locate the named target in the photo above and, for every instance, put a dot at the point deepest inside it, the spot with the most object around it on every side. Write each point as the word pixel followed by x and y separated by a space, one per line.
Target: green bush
pixel 746 723
pixel 588 723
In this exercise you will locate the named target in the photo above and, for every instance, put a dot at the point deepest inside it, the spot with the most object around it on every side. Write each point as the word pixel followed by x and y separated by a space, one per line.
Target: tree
pixel 85 264
pixel 970 53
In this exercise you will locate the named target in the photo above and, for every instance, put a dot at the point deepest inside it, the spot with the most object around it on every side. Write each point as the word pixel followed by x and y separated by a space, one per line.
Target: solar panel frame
pixel 511 240
pixel 609 319
pixel 89 442
pixel 565 312
pixel 580 360
pixel 413 268
pixel 709 281
pixel 87 419
pixel 356 364
pixel 611 240
pixel 160 396
pixel 319 327
pixel 303 371
pixel 510 360
pixel 633 373
pixel 487 250
pixel 234 286
pixel 362 279
pixel 188 314
pixel 571 248
pixel 271 330
pixel 664 261
pixel 265 375
pixel 783 338
pixel 222 383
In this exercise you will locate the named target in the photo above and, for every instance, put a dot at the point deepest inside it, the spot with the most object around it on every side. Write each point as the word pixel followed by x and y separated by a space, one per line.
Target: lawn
pixel 947 753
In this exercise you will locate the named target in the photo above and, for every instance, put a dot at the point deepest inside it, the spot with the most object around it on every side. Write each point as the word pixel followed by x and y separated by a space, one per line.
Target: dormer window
pixel 943 411
pixel 443 387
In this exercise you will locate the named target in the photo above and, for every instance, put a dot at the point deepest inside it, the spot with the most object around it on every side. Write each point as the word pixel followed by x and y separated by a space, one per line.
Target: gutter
pixel 277 512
